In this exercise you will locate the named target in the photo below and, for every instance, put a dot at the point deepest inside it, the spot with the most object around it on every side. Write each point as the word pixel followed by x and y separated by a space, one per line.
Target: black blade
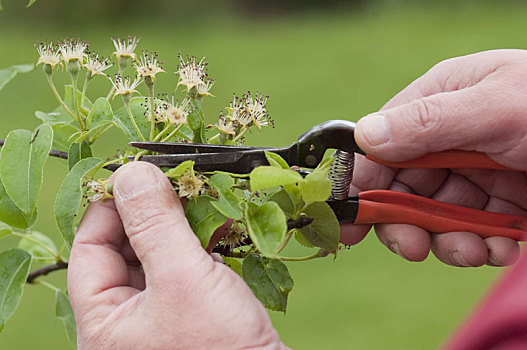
pixel 188 148
pixel 241 162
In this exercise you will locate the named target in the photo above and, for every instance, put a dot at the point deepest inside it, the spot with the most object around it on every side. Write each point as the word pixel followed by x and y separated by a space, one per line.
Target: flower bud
pixel 48 69
pixel 123 62
pixel 74 67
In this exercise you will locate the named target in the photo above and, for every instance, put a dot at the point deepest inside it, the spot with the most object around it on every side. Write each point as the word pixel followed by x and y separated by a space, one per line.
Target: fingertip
pixel 353 234
pixel 502 251
pixel 462 249
pixel 136 178
pixel 372 131
pixel 410 242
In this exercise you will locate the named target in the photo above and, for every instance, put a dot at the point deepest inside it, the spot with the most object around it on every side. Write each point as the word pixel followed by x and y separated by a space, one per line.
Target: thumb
pixel 470 119
pixel 153 219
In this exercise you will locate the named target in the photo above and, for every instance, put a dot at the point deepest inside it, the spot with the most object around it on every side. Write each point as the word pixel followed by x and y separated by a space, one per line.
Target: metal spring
pixel 341 173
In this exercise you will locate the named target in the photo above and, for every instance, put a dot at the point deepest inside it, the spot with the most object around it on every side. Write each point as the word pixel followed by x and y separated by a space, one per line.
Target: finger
pixel 503 251
pixel 423 182
pixel 96 264
pixel 458 190
pixel 449 75
pixel 507 185
pixel 154 222
pixel 467 119
pixel 461 249
pixel 408 241
pixel 368 175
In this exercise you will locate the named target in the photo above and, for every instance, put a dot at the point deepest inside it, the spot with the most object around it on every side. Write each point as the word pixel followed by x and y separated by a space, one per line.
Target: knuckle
pixel 425 114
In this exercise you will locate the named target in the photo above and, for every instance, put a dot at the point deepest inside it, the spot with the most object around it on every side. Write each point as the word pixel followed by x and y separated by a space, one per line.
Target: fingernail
pixel 375 129
pixel 134 179
pixel 394 247
pixel 459 260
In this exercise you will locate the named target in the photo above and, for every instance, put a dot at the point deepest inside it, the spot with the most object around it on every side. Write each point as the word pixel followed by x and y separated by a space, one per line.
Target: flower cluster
pixel 148 66
pixel 124 48
pixel 243 113
pixel 68 51
pixel 124 86
pixel 189 185
pixel 193 75
pixel 72 50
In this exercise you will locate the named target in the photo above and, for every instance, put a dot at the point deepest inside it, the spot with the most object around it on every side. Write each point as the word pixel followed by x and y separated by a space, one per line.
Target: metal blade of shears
pixel 233 160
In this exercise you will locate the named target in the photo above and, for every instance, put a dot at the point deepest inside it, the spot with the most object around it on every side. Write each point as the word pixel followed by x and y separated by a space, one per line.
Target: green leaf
pixel 62 136
pixel 30 3
pixel 283 199
pixel 53 118
pixel 11 214
pixel 59 114
pixel 228 203
pixel 5 230
pixel 302 240
pixel 22 165
pixel 122 120
pixel 69 196
pixel 8 74
pixel 196 122
pixel 33 243
pixel 64 312
pixel 221 182
pixel 180 169
pixel 203 218
pixel 268 176
pixel 324 231
pixel 100 114
pixel 68 99
pixel 266 225
pixel 77 152
pixel 316 186
pixel 275 160
pixel 14 268
pixel 234 264
pixel 269 280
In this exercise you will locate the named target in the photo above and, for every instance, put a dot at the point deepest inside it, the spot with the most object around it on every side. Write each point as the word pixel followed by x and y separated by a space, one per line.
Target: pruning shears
pixel 368 207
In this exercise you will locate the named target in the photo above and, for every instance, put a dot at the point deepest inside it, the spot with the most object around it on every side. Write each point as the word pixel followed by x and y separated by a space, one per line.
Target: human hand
pixel 477 103
pixel 138 277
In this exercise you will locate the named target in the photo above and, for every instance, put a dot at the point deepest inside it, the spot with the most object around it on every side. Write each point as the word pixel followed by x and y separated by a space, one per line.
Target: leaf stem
pixel 47 284
pixel 114 161
pixel 139 155
pixel 96 136
pixel 57 95
pixel 31 239
pixel 84 87
pixel 76 103
pixel 287 239
pixel 239 135
pixel 162 132
pixel 302 258
pixel 213 138
pixel 172 133
pixel 152 110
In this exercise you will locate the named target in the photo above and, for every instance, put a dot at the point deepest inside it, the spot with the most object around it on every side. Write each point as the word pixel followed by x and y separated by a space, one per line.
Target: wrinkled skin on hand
pixel 476 103
pixel 139 279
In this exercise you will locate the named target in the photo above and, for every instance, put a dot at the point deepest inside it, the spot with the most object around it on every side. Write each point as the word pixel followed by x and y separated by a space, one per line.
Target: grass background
pixel 315 67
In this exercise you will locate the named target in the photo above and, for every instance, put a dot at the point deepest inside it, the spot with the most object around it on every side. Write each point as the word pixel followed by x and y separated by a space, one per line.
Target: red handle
pixel 390 207
pixel 446 159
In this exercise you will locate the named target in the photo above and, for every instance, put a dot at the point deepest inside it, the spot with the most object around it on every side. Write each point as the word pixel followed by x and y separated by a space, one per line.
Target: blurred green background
pixel 339 60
